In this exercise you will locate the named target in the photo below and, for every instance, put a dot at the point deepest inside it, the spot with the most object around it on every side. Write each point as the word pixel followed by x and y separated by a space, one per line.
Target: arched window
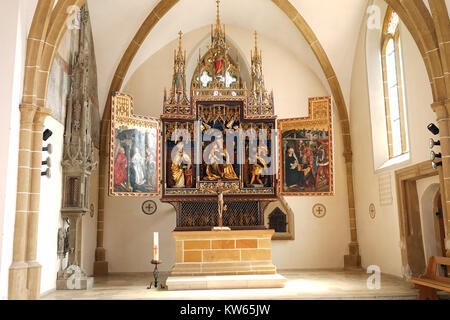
pixel 393 86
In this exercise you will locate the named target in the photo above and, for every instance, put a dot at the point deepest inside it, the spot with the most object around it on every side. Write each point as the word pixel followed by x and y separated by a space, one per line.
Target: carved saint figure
pixel 214 170
pixel 179 82
pixel 228 171
pixel 180 165
pixel 257 76
pixel 219 64
pixel 256 168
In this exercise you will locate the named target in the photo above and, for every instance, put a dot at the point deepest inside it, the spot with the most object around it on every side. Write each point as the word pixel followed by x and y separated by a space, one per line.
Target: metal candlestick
pixel 155 275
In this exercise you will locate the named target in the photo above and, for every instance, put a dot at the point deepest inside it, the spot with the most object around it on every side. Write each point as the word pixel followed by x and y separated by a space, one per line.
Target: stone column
pixel 100 264
pixel 18 271
pixel 34 268
pixel 353 259
pixel 442 111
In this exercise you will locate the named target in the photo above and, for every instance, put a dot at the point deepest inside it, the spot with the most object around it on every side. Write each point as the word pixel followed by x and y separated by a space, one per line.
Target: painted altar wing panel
pixel 134 166
pixel 306 152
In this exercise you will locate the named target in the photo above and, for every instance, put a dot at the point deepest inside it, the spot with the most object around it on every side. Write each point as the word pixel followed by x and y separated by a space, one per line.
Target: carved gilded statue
pixel 218 63
pixel 217 168
pixel 256 169
pixel 213 169
pixel 228 172
pixel 181 165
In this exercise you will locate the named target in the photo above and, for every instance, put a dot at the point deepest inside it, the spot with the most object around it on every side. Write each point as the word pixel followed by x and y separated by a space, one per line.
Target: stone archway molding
pixel 44 36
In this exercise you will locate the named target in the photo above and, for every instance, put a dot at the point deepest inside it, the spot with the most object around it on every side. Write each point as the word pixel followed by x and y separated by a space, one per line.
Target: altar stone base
pixel 223 259
pixel 213 253
pixel 226 282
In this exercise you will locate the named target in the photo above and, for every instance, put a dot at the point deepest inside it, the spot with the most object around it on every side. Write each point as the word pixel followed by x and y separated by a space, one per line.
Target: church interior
pixel 207 149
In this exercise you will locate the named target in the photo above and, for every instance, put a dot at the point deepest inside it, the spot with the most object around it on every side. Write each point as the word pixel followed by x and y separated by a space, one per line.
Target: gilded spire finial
pixel 218 13
pixel 256 42
pixel 218 31
pixel 179 40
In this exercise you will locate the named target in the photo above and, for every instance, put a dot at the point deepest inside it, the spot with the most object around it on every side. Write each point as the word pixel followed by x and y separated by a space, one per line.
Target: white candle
pixel 155 246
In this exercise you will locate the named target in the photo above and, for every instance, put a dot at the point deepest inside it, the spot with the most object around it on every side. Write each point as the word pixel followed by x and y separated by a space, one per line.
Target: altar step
pixel 226 282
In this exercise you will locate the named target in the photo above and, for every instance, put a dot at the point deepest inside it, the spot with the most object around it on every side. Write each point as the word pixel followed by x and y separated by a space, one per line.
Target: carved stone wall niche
pixel 273 218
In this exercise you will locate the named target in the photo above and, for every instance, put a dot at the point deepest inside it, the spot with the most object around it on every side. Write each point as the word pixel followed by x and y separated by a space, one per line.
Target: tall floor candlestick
pixel 156 246
pixel 155 262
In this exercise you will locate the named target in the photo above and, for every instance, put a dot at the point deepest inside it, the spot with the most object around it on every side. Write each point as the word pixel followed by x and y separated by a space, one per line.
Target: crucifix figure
pixel 221 206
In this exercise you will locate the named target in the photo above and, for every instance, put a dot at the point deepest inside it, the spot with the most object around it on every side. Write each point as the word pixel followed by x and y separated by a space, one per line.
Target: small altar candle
pixel 155 246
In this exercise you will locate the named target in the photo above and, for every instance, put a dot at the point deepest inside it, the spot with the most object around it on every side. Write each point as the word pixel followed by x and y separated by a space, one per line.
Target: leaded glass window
pixel 393 88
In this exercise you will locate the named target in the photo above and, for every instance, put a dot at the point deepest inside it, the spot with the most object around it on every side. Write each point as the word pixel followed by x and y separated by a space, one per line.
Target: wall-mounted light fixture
pixel 47 134
pixel 48 148
pixel 433 129
pixel 47 162
pixel 47 173
pixel 435 165
pixel 433 143
pixel 433 155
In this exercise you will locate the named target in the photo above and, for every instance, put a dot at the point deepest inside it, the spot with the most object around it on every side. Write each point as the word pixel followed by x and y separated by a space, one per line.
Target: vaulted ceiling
pixel 335 23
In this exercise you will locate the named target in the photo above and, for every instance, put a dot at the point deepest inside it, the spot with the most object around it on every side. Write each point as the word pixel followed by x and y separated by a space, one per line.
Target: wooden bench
pixel 429 282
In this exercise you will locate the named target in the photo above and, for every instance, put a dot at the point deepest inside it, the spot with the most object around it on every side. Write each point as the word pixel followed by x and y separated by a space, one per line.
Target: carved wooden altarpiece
pixel 213 139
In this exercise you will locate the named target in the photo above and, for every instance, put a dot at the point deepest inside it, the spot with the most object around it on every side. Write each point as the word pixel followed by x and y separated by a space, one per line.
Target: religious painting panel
pixel 134 151
pixel 306 152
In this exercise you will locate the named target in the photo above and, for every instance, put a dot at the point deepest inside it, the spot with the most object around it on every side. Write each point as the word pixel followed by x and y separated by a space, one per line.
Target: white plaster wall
pixel 50 208
pixel 15 26
pixel 379 239
pixel 319 243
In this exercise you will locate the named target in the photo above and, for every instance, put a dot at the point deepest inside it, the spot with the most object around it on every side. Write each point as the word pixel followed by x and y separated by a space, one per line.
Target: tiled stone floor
pixel 318 284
